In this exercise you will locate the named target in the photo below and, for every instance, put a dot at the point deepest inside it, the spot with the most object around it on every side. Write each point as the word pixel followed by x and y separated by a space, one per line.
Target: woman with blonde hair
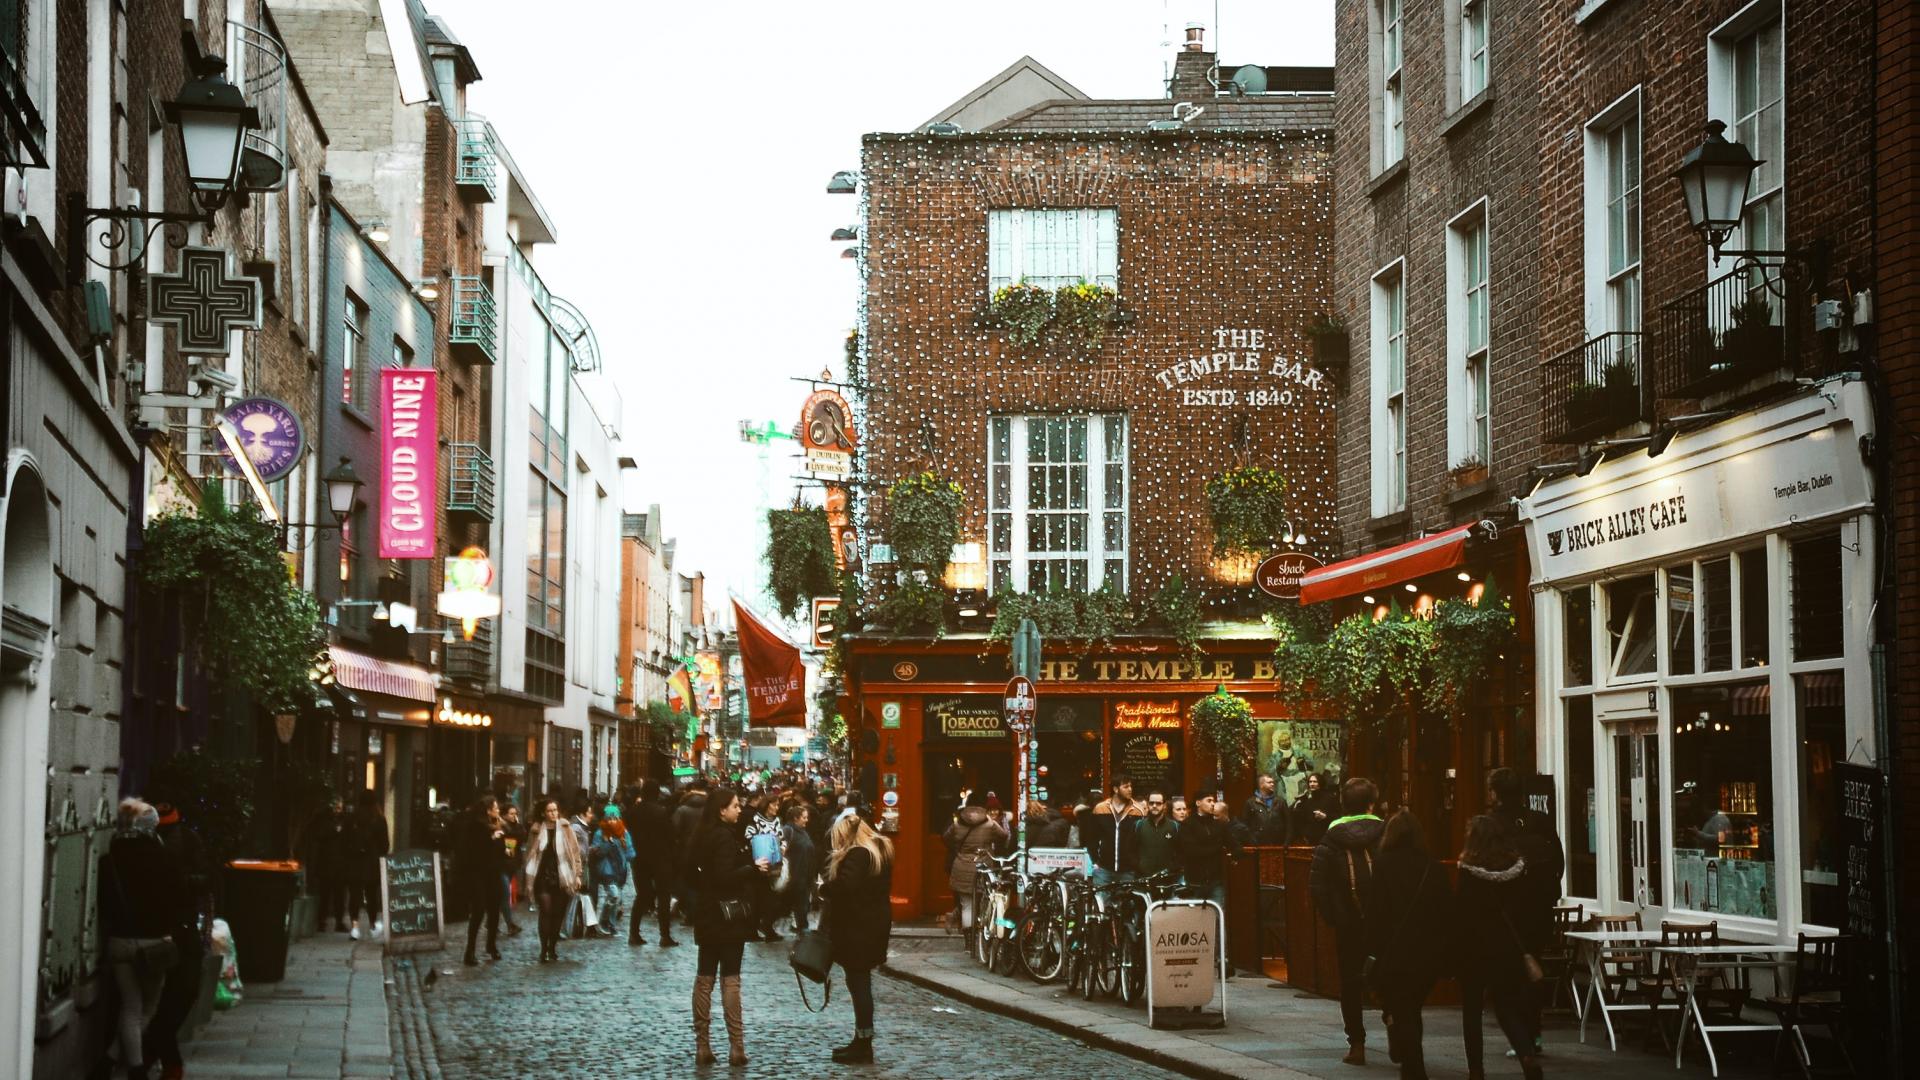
pixel 558 869
pixel 858 919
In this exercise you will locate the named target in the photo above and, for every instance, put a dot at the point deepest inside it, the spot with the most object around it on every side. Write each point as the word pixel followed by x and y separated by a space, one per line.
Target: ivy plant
pixel 1224 724
pixel 1094 618
pixel 1248 507
pixel 923 521
pixel 253 631
pixel 914 607
pixel 799 558
pixel 1176 609
pixel 1369 668
pixel 1469 641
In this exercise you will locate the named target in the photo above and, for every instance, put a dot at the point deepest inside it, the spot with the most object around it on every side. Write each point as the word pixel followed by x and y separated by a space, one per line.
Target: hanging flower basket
pixel 1224 723
pixel 1022 309
pixel 799 558
pixel 1249 508
pixel 923 521
pixel 1082 314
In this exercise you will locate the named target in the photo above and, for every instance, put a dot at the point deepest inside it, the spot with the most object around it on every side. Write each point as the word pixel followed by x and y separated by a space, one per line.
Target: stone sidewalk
pixel 1275 1032
pixel 327 1018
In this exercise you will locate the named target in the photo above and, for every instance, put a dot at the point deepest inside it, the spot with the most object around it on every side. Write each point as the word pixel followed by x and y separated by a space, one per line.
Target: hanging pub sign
pixel 840 523
pixel 204 302
pixel 409 456
pixel 775 676
pixel 1279 574
pixel 270 436
pixel 826 434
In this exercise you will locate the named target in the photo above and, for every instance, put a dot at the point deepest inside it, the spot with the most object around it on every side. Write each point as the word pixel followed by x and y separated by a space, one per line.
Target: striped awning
pixel 1754 699
pixel 1389 566
pixel 1823 689
pixel 358 671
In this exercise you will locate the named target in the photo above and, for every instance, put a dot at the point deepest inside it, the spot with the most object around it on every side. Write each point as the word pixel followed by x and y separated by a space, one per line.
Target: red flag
pixel 776 679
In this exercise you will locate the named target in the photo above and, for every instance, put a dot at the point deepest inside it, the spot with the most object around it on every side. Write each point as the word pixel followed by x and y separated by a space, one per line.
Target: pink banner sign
pixel 409 435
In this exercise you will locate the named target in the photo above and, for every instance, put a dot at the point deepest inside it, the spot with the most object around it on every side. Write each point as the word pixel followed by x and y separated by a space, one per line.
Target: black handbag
pixel 734 913
pixel 812 957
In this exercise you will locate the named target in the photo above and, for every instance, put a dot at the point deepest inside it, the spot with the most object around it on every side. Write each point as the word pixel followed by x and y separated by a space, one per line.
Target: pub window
pixel 1057 498
pixel 1631 636
pixel 1051 248
pixel 1819 622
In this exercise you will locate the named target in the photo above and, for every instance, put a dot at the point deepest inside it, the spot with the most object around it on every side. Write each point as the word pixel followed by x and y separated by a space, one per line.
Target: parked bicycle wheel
pixel 1133 966
pixel 1043 947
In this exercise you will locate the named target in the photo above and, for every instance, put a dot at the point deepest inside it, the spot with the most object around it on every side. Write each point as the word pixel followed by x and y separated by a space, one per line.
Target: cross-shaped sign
pixel 204 302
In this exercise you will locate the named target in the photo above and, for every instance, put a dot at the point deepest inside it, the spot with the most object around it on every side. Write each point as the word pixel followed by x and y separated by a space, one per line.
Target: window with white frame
pixel 1473 48
pixel 1389 93
pixel 1051 248
pixel 1613 219
pixel 1469 378
pixel 1746 77
pixel 1057 502
pixel 1388 365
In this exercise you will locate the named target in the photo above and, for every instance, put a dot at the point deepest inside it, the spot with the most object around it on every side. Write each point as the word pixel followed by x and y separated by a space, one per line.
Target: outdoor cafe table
pixel 1689 964
pixel 1600 946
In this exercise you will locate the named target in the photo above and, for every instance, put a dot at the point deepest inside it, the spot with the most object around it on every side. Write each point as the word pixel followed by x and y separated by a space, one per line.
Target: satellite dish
pixel 1251 79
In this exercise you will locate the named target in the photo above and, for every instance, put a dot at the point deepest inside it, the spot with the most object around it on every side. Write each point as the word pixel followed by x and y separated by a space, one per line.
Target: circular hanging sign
pixel 891 798
pixel 826 423
pixel 270 434
pixel 1279 575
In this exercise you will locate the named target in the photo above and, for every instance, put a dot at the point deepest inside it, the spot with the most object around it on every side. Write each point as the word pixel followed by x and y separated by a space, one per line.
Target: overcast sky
pixel 684 161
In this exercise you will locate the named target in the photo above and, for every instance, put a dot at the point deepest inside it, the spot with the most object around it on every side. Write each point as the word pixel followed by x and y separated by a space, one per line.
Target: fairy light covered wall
pixel 1225 243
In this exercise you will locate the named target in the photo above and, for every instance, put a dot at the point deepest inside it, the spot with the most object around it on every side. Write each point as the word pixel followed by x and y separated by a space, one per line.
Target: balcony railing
pixel 1594 389
pixel 477 174
pixel 23 134
pixel 1731 337
pixel 470 490
pixel 471 662
pixel 259 69
pixel 476 321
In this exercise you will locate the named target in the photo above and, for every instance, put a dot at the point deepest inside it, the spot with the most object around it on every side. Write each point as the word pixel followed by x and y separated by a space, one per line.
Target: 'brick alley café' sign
pixel 1239 372
pixel 1093 669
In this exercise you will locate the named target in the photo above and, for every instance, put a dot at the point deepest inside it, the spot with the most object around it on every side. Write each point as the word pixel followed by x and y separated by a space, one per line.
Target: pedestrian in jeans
pixel 766 822
pixel 608 858
pixel 803 863
pixel 725 877
pixel 1537 841
pixel 557 868
pixel 143 901
pixel 1407 906
pixel 1494 897
pixel 973 836
pixel 1109 836
pixel 859 920
pixel 1342 867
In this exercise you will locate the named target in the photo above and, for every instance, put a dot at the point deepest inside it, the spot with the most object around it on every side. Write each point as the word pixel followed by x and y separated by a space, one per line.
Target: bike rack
pixel 1220 957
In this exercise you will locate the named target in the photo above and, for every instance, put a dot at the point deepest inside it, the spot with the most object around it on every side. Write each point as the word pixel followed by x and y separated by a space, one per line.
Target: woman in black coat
pixel 1315 809
pixel 1494 899
pixel 143 904
pixel 859 920
pixel 1406 903
pixel 726 877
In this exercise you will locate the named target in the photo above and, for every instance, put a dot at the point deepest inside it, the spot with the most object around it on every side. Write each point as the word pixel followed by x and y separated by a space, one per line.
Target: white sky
pixel 684 162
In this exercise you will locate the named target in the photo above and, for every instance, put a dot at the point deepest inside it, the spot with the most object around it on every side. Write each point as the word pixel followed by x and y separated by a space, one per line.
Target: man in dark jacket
pixel 479 855
pixel 1155 844
pixel 177 995
pixel 686 819
pixel 1204 842
pixel 1342 867
pixel 1265 814
pixel 654 870
pixel 1108 834
pixel 1046 827
pixel 325 840
pixel 1538 842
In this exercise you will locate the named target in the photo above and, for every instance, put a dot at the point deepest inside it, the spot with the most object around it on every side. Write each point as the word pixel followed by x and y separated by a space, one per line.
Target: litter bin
pixel 258 910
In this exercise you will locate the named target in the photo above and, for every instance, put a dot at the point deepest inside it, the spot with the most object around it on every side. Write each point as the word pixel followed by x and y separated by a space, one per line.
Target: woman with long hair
pixel 1406 903
pixel 558 869
pixel 726 876
pixel 479 858
pixel 859 920
pixel 1493 901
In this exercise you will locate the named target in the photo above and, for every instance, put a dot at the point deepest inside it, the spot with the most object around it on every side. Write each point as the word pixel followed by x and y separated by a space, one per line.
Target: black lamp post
pixel 1715 178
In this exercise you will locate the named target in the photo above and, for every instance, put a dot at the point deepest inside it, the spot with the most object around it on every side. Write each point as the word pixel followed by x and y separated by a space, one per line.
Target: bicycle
pixel 1131 941
pixel 997 885
pixel 1043 926
pixel 1092 951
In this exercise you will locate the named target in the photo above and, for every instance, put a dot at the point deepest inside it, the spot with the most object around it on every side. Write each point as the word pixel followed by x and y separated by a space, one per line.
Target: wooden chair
pixel 1716 996
pixel 1819 985
pixel 1557 960
pixel 1633 976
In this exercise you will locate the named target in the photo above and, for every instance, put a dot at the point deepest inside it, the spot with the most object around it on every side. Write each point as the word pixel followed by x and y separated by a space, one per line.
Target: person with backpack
pixel 1406 907
pixel 1341 870
pixel 1493 901
pixel 1537 841
pixel 972 837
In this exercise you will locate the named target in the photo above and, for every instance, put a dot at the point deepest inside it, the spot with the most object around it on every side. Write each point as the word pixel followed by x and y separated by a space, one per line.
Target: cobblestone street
pixel 608 1010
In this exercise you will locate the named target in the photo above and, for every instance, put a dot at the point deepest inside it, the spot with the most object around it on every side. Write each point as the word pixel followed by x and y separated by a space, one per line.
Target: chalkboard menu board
pixel 1863 869
pixel 410 895
pixel 1152 758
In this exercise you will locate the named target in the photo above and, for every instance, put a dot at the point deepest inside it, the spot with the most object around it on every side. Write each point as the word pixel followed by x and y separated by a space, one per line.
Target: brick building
pixel 1209 215
pixel 1676 438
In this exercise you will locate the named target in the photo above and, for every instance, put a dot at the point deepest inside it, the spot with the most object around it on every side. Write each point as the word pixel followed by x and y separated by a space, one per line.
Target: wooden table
pixel 1690 963
pixel 1598 947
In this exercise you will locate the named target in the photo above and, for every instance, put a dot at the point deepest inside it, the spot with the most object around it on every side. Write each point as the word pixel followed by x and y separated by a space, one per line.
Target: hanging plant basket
pixel 1082 314
pixel 1328 336
pixel 923 521
pixel 799 558
pixel 1249 508
pixel 1022 309
pixel 1224 724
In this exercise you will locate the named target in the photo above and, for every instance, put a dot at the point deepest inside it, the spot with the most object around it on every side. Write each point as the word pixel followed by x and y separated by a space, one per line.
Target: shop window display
pixel 1723 851
pixel 1822 708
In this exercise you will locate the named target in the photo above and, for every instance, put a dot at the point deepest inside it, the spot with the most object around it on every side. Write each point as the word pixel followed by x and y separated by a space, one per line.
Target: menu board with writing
pixel 1154 759
pixel 973 716
pixel 410 895
pixel 1863 870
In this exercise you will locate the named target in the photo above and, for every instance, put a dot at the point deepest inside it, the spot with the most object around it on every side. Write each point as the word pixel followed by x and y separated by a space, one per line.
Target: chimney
pixel 1191 67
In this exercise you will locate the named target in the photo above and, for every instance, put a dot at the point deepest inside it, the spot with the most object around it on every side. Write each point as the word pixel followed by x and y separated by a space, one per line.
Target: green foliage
pixel 667 726
pixel 1327 325
pixel 1176 609
pixel 847 621
pixel 215 795
pixel 923 521
pixel 835 731
pixel 1249 509
pixel 1082 314
pixel 1469 641
pixel 1224 723
pixel 853 356
pixel 1023 310
pixel 1094 618
pixel 254 631
pixel 799 558
pixel 914 607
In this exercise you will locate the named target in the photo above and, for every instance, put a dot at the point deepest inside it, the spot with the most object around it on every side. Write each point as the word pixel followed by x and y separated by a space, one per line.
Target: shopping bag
pixel 589 918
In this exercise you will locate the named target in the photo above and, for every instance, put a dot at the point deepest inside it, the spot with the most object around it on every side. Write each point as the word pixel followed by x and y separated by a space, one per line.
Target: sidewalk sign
pixel 411 897
pixel 1186 959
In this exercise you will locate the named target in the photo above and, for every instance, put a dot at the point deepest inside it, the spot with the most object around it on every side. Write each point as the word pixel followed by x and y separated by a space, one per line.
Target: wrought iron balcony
pixel 1593 390
pixel 477 174
pixel 23 134
pixel 470 663
pixel 1734 336
pixel 259 69
pixel 476 321
pixel 470 490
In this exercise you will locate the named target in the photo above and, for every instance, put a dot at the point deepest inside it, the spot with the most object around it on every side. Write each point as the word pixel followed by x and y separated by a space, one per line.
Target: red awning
pixel 1391 566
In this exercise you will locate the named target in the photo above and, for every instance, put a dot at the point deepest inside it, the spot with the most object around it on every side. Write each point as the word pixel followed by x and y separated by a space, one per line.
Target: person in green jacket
pixel 1155 850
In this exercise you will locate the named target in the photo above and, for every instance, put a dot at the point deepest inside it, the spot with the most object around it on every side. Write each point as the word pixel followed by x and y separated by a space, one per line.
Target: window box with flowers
pixel 1468 471
pixel 1073 318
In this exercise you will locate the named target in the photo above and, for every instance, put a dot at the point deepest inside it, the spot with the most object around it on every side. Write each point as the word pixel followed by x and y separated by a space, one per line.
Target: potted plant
pixel 1620 392
pixel 1224 723
pixel 1022 309
pixel 1754 342
pixel 1328 336
pixel 1468 471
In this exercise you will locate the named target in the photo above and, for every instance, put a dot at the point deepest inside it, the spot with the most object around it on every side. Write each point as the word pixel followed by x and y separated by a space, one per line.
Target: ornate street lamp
pixel 343 489
pixel 214 118
pixel 1715 178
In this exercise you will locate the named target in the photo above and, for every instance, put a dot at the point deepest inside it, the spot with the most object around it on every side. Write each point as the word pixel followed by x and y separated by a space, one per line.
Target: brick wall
pixel 1217 231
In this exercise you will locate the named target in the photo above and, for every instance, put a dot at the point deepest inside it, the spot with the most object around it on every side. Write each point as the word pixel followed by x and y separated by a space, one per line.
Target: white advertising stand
pixel 1186 959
